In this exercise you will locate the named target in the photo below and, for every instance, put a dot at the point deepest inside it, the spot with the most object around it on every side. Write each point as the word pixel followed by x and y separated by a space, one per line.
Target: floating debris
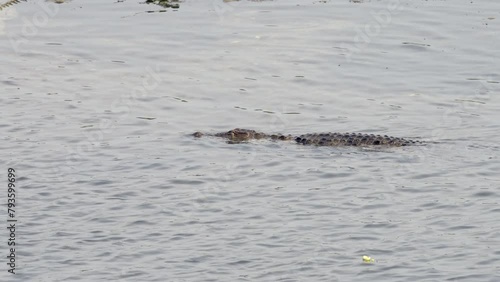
pixel 368 259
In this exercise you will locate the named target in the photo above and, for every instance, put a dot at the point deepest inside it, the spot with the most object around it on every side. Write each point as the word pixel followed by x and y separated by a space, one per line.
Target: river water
pixel 99 98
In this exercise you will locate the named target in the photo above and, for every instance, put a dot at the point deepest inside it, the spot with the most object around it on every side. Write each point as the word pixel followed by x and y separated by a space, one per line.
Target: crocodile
pixel 239 135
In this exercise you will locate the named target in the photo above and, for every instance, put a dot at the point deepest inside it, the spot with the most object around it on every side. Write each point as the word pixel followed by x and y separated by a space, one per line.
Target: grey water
pixel 99 98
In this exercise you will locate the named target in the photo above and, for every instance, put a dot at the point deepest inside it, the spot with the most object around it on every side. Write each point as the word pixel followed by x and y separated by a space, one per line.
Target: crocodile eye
pixel 376 142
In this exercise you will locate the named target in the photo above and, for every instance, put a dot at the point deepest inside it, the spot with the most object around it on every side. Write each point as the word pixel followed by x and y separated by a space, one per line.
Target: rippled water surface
pixel 99 99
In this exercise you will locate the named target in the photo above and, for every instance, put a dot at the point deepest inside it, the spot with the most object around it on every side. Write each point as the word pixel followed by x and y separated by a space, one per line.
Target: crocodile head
pixel 239 134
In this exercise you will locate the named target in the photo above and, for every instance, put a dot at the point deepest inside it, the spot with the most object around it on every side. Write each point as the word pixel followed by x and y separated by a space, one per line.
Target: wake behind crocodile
pixel 239 135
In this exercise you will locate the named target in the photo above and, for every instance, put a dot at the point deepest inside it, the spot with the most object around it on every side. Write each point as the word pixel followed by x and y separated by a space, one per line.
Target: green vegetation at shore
pixel 165 3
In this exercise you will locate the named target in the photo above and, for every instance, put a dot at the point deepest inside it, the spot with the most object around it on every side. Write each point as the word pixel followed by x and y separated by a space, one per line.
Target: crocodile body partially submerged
pixel 239 135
